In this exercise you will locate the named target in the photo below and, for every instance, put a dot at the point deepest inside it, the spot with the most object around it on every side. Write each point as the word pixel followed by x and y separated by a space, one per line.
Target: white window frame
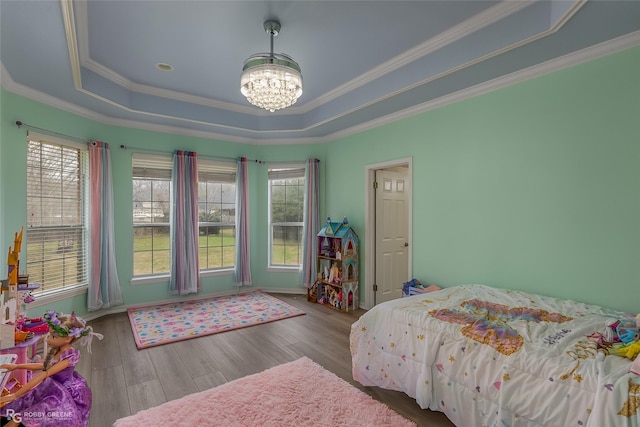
pixel 75 287
pixel 282 171
pixel 212 171
pixel 152 167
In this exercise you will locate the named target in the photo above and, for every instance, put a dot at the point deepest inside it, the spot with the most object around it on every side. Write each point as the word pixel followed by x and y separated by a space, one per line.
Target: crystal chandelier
pixel 271 81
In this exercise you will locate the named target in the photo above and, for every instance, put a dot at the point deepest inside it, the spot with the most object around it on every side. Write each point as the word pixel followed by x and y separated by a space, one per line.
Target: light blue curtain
pixel 185 270
pixel 242 272
pixel 311 222
pixel 104 286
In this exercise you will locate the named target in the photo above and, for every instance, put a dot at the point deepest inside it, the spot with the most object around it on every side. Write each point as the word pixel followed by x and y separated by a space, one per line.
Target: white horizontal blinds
pixel 286 171
pixel 56 232
pixel 159 167
pixel 216 171
pixel 150 166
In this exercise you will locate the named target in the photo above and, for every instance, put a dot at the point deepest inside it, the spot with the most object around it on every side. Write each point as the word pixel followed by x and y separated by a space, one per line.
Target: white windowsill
pixel 223 272
pixel 160 278
pixel 283 269
pixel 145 280
pixel 55 296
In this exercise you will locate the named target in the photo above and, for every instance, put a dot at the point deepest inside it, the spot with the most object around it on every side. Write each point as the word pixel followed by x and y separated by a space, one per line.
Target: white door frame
pixel 370 225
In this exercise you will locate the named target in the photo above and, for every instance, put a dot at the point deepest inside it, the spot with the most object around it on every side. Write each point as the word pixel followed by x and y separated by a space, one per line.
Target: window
pixel 286 204
pixel 56 234
pixel 216 214
pixel 151 213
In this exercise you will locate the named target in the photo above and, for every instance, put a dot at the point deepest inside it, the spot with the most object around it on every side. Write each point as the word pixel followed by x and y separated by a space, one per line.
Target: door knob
pixel 406 244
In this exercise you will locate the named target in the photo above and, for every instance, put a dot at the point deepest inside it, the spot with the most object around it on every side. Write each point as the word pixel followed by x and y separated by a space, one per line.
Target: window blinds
pixel 151 166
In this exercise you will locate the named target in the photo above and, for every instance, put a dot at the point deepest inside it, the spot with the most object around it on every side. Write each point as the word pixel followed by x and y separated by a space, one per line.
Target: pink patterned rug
pixel 162 324
pixel 298 393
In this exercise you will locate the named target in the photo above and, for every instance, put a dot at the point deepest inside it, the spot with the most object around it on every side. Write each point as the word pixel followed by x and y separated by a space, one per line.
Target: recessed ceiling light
pixel 164 67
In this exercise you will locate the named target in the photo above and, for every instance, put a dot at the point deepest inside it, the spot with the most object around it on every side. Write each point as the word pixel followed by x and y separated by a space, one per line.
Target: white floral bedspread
pixel 492 357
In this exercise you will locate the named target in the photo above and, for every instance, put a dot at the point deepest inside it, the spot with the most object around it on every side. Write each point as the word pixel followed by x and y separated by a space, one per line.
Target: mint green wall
pixel 13 160
pixel 533 187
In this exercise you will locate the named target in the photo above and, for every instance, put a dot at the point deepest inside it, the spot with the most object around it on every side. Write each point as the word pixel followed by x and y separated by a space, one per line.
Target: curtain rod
pixel 28 126
pixel 204 156
pixel 124 147
pixel 148 150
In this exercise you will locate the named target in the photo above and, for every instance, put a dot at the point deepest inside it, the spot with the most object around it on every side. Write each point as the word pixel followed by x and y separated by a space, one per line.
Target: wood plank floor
pixel 125 380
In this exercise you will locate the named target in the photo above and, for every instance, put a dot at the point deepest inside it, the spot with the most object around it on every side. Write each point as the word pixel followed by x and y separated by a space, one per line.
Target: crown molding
pixel 461 30
pixel 609 47
pixel 79 54
pixel 588 54
pixel 12 86
pixel 72 41
pixel 79 29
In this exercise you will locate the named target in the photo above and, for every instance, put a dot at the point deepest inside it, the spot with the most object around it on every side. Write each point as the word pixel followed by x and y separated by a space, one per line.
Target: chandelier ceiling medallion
pixel 271 81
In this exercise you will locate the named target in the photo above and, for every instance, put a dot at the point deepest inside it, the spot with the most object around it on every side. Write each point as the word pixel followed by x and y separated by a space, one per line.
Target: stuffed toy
pixel 632 350
pixel 629 335
pixel 623 331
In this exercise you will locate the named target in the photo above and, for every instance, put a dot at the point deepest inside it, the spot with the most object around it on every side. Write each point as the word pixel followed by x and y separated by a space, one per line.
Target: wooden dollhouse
pixel 337 266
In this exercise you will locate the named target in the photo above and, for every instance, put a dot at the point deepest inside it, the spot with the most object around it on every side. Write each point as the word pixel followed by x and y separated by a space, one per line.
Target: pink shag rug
pixel 298 393
pixel 166 323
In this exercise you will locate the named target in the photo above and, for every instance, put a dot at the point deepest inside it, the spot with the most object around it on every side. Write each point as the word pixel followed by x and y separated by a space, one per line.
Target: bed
pixel 491 357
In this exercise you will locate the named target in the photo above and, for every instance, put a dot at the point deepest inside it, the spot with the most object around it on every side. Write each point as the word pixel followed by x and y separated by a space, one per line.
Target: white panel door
pixel 392 240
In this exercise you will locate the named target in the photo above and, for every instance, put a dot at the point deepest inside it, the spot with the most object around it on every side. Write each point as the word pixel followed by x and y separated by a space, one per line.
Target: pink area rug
pixel 299 393
pixel 166 323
